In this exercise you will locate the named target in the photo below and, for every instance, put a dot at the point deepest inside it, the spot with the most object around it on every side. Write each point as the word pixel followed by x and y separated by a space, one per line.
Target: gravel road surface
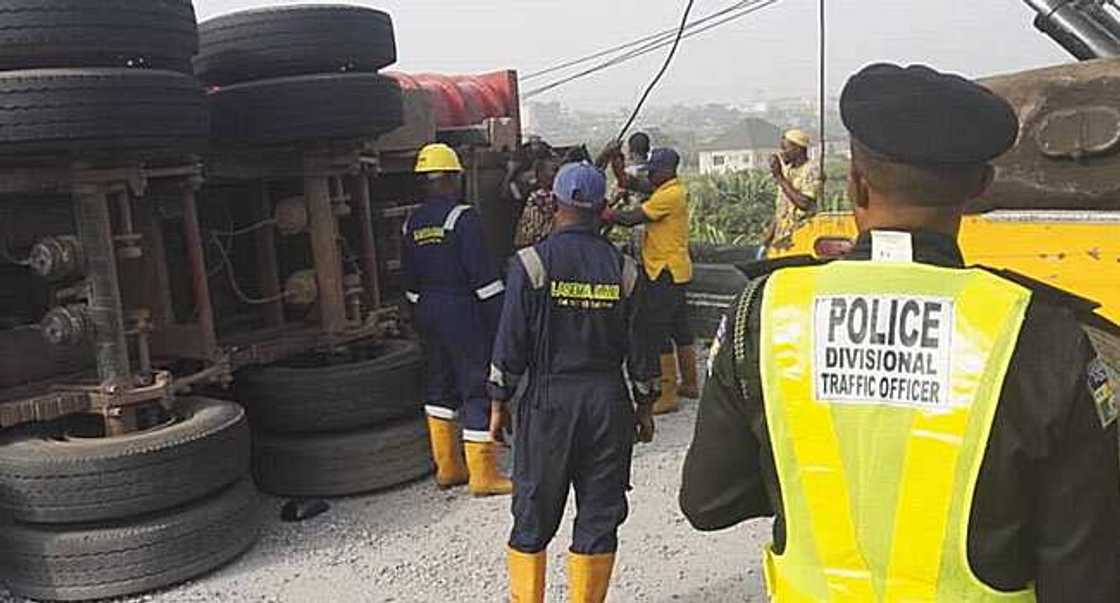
pixel 418 544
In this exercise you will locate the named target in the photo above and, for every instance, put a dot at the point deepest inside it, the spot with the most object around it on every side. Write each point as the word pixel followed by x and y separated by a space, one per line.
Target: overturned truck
pixel 199 275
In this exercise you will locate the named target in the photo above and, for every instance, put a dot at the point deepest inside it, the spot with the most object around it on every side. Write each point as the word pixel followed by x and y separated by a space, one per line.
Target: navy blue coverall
pixel 453 284
pixel 569 324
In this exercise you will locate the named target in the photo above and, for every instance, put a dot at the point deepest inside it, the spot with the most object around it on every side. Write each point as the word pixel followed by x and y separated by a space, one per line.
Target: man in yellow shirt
pixel 798 183
pixel 668 268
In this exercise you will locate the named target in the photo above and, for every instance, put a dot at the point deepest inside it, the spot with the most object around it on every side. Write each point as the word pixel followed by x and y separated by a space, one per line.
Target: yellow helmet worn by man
pixel 920 430
pixel 436 158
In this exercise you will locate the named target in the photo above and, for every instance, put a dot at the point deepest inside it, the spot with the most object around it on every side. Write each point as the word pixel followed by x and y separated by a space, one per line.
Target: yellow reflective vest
pixel 881 382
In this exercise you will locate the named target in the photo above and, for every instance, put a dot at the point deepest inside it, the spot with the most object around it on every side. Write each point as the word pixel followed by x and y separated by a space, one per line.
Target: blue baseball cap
pixel 664 158
pixel 580 185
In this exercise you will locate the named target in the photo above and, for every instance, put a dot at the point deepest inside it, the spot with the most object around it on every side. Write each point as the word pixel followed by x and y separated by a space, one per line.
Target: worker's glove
pixel 499 422
pixel 645 423
pixel 646 392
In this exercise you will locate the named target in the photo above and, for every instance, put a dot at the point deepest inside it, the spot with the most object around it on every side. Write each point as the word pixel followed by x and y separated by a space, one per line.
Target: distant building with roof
pixel 746 146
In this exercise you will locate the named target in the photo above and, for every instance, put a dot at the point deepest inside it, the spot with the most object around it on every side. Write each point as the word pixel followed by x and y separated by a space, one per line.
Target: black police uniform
pixel 569 324
pixel 1046 508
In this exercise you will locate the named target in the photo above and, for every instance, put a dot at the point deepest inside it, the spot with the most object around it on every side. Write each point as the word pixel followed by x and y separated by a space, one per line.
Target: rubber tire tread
pixel 278 42
pixel 717 279
pixel 309 107
pixel 341 464
pixel 93 561
pixel 723 254
pixel 704 318
pixel 79 110
pixel 100 33
pixel 46 480
pixel 288 399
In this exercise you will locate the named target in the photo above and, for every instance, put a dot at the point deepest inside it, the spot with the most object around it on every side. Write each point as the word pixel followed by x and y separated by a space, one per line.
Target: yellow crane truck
pixel 1054 211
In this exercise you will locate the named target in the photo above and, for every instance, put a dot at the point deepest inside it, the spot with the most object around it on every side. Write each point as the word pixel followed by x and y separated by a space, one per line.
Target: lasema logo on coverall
pixel 883 349
pixel 585 295
pixel 432 235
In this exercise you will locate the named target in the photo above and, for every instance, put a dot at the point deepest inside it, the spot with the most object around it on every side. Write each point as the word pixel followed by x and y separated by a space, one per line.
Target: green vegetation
pixel 731 209
pixel 736 208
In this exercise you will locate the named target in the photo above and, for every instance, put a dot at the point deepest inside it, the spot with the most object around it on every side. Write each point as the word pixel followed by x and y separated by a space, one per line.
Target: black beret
pixel 919 115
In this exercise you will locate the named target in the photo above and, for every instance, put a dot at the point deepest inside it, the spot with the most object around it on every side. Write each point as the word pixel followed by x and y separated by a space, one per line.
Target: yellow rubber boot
pixel 589 577
pixel 690 381
pixel 526 576
pixel 669 401
pixel 451 470
pixel 482 461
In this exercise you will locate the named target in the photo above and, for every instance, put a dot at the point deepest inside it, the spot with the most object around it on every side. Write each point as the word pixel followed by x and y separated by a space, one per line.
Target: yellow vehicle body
pixel 1074 250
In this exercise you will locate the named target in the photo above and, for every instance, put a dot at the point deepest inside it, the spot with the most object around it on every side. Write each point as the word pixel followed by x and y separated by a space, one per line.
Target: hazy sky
pixel 770 54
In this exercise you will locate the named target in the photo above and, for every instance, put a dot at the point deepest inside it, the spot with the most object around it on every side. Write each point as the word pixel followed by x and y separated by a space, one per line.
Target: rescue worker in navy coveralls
pixel 570 327
pixel 456 293
pixel 920 430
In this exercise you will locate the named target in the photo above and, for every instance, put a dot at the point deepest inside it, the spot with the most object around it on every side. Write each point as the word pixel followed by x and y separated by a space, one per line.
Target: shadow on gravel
pixel 736 588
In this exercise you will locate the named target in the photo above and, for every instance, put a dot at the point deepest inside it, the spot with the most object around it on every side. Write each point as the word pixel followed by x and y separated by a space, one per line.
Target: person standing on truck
pixel 668 271
pixel 456 294
pixel 919 429
pixel 799 184
pixel 570 327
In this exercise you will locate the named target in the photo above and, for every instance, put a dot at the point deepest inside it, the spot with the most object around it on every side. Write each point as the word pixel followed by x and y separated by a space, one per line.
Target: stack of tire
pixel 93 517
pixel 90 79
pixel 299 73
pixel 338 424
pixel 89 516
pixel 349 421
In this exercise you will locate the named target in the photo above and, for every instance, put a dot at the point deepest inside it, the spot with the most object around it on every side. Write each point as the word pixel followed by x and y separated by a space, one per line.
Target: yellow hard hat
pixel 799 138
pixel 437 158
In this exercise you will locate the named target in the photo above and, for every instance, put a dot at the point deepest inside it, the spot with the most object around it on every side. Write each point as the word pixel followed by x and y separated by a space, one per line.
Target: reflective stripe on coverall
pixel 567 325
pixel 456 293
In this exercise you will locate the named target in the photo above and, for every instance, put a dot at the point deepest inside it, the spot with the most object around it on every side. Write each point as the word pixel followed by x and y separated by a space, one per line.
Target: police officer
pixel 569 324
pixel 919 429
pixel 454 286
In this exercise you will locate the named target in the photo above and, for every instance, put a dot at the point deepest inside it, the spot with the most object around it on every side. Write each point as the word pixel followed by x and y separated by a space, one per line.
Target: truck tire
pixel 91 561
pixel 717 279
pixel 47 478
pixel 89 110
pixel 340 464
pixel 279 42
pixel 159 34
pixel 723 254
pixel 378 383
pixel 308 107
pixel 705 312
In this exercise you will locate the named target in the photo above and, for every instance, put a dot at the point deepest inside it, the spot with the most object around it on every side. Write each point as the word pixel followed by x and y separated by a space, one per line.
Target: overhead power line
pixel 823 95
pixel 649 47
pixel 661 72
pixel 660 36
